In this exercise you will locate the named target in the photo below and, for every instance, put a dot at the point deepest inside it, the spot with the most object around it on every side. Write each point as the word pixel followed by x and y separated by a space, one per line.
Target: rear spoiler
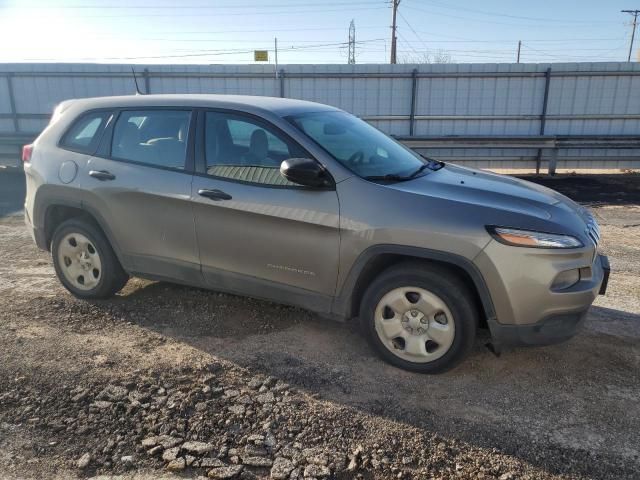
pixel 60 108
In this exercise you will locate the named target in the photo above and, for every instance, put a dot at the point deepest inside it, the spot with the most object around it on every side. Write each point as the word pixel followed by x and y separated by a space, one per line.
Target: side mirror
pixel 305 171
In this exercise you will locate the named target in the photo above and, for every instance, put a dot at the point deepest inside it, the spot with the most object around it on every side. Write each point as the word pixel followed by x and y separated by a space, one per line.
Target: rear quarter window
pixel 84 134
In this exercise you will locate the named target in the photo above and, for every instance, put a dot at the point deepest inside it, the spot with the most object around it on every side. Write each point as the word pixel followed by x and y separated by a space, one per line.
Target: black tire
pixel 443 283
pixel 112 276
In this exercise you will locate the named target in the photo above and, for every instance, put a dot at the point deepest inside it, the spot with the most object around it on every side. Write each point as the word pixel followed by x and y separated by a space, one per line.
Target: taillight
pixel 27 151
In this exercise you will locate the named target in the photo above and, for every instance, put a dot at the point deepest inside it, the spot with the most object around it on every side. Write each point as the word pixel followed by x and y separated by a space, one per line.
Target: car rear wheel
pixel 420 318
pixel 85 262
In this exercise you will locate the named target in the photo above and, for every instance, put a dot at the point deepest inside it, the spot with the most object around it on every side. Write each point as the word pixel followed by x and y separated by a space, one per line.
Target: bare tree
pixel 439 56
pixel 442 56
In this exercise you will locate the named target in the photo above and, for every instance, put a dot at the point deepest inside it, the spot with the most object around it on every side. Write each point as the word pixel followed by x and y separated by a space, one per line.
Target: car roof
pixel 248 103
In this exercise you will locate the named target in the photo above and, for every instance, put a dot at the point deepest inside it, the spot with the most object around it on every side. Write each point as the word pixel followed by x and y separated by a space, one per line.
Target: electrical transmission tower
pixel 633 32
pixel 352 43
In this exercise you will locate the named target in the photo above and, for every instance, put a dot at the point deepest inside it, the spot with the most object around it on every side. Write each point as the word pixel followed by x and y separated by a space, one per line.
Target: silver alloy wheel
pixel 79 261
pixel 414 324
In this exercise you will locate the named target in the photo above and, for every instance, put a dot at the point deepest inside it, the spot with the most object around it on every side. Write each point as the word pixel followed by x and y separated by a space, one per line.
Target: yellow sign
pixel 261 55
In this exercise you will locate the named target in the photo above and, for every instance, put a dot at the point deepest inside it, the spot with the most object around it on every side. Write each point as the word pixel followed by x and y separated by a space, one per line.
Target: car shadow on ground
pixel 12 192
pixel 527 402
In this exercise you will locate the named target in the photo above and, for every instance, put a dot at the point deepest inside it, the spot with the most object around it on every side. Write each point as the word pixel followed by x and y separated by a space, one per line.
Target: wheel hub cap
pixel 414 324
pixel 79 261
pixel 84 261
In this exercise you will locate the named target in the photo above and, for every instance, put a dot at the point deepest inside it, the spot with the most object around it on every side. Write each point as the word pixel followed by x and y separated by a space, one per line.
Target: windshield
pixel 361 148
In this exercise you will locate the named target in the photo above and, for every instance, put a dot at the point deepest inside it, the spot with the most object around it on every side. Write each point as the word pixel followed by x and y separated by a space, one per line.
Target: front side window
pixel 84 134
pixel 361 148
pixel 244 149
pixel 152 137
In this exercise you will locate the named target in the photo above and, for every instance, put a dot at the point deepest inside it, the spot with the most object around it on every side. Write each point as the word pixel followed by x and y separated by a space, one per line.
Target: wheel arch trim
pixel 48 199
pixel 343 302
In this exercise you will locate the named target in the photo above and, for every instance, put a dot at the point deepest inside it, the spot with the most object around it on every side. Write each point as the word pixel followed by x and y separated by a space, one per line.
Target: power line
pixel 546 39
pixel 218 52
pixel 564 40
pixel 216 15
pixel 408 43
pixel 563 49
pixel 412 29
pixel 267 30
pixel 477 20
pixel 188 7
pixel 597 53
pixel 505 15
pixel 569 56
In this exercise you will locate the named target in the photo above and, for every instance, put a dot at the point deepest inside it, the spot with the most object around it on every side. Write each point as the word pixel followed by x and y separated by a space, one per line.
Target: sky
pixel 314 31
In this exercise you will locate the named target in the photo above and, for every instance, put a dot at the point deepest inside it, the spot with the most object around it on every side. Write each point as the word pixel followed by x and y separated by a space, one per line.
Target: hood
pixel 481 188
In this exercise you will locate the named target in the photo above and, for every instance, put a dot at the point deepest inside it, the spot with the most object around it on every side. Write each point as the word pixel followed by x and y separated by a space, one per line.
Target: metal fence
pixel 517 116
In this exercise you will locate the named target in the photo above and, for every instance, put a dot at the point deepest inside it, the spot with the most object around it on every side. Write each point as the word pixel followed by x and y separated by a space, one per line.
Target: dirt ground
pixel 111 387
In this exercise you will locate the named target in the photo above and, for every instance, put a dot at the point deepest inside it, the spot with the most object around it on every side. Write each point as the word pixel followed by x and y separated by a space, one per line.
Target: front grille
pixel 592 230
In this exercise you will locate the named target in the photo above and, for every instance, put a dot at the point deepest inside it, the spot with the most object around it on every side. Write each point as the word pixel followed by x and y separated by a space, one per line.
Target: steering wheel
pixel 356 157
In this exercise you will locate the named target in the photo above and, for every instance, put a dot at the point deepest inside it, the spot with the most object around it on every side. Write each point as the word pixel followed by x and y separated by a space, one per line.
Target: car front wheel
pixel 419 317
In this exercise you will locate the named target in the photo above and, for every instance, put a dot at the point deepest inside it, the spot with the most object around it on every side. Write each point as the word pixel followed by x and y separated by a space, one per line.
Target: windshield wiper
pixel 419 170
pixel 394 177
pixel 433 164
pixel 390 177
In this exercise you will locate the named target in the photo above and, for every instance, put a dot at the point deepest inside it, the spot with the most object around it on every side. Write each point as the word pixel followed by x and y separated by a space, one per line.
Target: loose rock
pixel 266 398
pixel 210 462
pixel 83 461
pixel 170 454
pixel 281 468
pixel 316 471
pixel 198 448
pixel 257 461
pixel 225 472
pixel 177 464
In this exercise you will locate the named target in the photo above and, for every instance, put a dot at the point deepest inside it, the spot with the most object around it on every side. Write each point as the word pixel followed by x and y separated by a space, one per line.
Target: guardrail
pixel 545 107
pixel 550 143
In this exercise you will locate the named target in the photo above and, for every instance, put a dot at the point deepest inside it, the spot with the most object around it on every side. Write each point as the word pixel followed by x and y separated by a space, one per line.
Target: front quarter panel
pixel 373 214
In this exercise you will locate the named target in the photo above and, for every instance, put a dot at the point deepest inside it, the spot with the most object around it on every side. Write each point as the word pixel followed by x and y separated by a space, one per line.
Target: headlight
pixel 528 238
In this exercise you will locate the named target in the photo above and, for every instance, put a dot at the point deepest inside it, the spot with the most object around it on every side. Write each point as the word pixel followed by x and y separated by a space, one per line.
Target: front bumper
pixel 554 329
pixel 540 315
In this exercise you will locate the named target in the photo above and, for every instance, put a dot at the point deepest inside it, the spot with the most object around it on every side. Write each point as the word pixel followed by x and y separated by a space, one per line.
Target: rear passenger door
pixel 139 183
pixel 258 233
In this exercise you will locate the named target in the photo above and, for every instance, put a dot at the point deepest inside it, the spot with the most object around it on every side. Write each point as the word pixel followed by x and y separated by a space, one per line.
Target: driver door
pixel 259 234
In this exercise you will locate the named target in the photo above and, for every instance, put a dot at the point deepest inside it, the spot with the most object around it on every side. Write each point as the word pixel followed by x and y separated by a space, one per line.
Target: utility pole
pixel 394 38
pixel 633 32
pixel 275 46
pixel 519 45
pixel 352 43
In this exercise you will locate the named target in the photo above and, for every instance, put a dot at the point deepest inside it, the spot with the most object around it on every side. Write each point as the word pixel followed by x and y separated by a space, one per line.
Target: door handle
pixel 102 175
pixel 214 194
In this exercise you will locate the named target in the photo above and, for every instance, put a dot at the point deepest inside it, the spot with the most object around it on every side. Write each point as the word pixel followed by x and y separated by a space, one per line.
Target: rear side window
pixel 84 134
pixel 152 137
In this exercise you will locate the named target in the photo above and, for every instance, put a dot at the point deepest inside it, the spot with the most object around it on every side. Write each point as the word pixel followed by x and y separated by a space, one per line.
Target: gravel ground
pixel 166 381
